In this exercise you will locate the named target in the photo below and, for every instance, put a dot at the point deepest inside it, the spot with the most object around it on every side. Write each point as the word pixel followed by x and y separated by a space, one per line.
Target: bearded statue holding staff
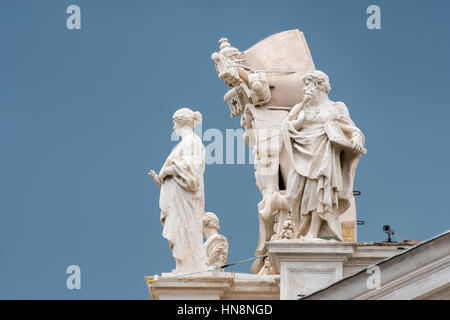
pixel 182 199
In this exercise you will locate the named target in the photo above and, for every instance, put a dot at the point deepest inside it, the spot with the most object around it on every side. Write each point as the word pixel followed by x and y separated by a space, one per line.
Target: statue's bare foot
pixel 274 203
pixel 267 210
pixel 265 213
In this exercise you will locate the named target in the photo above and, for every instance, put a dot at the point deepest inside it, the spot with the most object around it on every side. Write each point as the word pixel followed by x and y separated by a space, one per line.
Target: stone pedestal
pixel 302 268
pixel 307 267
pixel 215 286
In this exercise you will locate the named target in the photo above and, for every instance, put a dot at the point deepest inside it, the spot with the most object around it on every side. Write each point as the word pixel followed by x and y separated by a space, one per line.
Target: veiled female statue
pixel 182 198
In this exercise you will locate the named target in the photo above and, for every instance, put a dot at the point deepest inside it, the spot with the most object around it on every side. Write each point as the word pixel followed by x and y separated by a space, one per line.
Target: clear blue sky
pixel 84 114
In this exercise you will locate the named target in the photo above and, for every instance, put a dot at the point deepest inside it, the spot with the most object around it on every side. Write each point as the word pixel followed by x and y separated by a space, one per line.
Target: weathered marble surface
pixel 216 286
pixel 297 263
pixel 216 245
pixel 420 273
pixel 324 147
pixel 281 112
pixel 182 199
pixel 306 267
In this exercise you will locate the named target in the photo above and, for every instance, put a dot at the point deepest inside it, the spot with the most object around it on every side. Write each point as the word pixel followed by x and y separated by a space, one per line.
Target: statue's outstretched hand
pixel 155 177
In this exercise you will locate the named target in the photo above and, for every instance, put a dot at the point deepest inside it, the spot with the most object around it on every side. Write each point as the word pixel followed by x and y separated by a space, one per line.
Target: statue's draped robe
pixel 182 204
pixel 216 248
pixel 323 166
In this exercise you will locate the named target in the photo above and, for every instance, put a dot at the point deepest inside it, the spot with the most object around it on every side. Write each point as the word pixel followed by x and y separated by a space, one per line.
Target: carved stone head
pixel 315 81
pixel 287 231
pixel 185 118
pixel 210 224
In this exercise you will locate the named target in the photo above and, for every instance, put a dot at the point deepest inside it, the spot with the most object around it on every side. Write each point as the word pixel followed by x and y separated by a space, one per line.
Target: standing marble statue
pixel 216 245
pixel 324 147
pixel 305 146
pixel 182 198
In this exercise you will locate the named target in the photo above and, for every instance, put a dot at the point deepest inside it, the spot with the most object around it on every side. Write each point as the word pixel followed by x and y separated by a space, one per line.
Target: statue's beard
pixel 309 97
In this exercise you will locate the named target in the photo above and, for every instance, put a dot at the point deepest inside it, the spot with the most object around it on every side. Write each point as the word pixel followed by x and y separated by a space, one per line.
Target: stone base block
pixel 306 267
pixel 214 286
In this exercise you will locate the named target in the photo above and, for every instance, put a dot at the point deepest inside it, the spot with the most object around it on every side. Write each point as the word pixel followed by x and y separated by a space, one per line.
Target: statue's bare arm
pixel 155 177
pixel 292 115
pixel 243 74
pixel 299 122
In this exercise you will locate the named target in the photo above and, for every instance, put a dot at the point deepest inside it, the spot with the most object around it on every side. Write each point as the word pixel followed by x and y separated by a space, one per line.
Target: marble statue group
pixel 306 150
